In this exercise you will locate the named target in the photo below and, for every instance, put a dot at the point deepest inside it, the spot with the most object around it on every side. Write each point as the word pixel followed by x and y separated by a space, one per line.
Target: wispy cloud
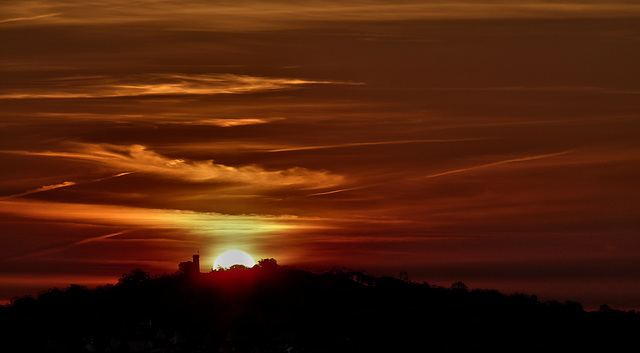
pixel 231 122
pixel 216 228
pixel 251 15
pixel 137 158
pixel 155 119
pixel 155 84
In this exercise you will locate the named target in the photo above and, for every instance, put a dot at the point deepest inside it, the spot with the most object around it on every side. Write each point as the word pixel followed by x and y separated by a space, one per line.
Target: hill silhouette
pixel 269 308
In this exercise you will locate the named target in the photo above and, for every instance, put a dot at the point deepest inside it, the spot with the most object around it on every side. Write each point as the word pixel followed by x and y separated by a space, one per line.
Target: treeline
pixel 270 308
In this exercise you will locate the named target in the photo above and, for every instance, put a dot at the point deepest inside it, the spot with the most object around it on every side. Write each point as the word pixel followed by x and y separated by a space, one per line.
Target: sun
pixel 233 257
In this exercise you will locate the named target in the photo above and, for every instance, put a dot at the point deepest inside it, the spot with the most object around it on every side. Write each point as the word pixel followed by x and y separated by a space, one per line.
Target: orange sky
pixel 494 143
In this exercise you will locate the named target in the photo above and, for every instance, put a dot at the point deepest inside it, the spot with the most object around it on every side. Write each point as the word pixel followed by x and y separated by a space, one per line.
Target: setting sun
pixel 233 257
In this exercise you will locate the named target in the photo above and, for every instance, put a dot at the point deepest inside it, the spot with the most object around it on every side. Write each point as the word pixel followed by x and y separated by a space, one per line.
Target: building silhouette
pixel 196 263
pixel 190 267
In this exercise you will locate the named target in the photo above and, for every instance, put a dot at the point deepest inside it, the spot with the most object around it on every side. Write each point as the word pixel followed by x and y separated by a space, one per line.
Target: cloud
pixel 230 122
pixel 135 216
pixel 211 227
pixel 154 84
pixel 139 159
pixel 157 118
pixel 252 15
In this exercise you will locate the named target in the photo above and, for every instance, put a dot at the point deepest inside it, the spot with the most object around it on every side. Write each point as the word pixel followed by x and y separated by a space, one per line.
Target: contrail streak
pixel 461 170
pixel 16 19
pixel 335 191
pixel 64 247
pixel 488 165
pixel 114 176
pixel 40 189
pixel 58 186
pixel 357 144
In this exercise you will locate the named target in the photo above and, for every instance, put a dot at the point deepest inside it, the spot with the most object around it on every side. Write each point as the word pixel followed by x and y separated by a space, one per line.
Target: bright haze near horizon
pixel 493 143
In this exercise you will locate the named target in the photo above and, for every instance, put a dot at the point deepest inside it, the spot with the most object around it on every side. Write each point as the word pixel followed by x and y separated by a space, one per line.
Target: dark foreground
pixel 276 309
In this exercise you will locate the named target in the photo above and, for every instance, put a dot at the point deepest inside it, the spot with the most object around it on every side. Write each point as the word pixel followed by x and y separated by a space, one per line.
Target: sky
pixel 489 142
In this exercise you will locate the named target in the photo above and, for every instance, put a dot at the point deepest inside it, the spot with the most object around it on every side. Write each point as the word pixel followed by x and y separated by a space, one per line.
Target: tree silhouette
pixel 268 263
pixel 134 277
pixel 238 267
pixel 185 267
pixel 267 308
pixel 459 286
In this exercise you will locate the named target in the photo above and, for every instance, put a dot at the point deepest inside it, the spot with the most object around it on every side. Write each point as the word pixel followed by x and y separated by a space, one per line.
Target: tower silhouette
pixel 196 263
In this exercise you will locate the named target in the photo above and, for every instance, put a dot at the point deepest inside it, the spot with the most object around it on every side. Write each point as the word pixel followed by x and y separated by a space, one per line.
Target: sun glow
pixel 233 257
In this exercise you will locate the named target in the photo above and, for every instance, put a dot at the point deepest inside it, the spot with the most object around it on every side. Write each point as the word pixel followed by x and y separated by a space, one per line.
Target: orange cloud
pixel 251 15
pixel 208 229
pixel 137 158
pixel 155 84
pixel 160 118
pixel 231 122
